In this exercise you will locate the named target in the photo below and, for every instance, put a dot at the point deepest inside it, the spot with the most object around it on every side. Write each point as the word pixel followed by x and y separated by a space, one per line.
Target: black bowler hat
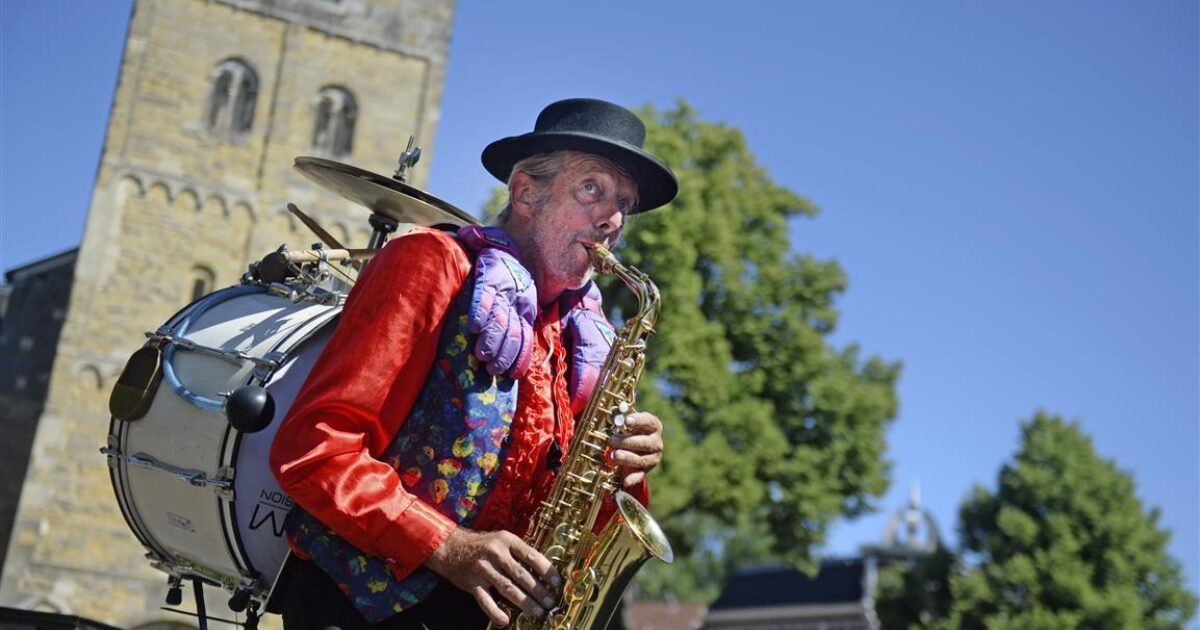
pixel 590 126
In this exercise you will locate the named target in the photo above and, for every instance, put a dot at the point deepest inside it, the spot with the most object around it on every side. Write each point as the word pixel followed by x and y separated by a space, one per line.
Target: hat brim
pixel 656 183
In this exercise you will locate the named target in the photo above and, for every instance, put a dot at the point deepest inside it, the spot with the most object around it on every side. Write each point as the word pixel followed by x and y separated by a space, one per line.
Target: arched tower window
pixel 203 281
pixel 234 91
pixel 333 130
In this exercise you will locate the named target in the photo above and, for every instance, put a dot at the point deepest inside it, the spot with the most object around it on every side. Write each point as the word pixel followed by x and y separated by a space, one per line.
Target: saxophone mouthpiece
pixel 602 259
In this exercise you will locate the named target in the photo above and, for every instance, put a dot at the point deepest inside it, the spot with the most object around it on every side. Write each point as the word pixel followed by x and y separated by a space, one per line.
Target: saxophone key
pixel 583 586
pixel 582 493
pixel 586 478
pixel 557 553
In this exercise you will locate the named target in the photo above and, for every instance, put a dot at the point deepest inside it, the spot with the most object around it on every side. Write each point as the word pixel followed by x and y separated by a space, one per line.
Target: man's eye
pixel 589 188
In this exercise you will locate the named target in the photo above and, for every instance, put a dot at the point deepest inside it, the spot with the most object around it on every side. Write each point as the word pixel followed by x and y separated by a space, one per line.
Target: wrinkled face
pixel 586 203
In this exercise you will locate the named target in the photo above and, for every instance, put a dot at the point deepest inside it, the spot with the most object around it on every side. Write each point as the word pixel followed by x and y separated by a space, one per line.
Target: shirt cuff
pixel 420 530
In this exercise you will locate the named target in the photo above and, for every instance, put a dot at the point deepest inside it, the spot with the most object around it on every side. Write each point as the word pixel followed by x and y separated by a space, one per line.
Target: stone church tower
pixel 215 99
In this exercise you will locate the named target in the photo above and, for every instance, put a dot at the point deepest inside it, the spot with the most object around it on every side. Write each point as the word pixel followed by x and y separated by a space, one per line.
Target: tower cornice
pixel 362 22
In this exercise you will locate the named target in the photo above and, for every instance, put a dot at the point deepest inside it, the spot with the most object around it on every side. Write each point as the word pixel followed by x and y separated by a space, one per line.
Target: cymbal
pixel 388 196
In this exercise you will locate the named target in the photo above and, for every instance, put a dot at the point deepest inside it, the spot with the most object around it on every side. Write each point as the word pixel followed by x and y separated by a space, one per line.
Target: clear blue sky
pixel 1012 189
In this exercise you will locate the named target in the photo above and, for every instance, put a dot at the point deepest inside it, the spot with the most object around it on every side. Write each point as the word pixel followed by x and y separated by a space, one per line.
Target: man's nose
pixel 609 218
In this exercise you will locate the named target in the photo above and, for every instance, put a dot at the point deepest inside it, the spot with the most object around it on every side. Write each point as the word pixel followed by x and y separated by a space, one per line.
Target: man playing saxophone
pixel 433 425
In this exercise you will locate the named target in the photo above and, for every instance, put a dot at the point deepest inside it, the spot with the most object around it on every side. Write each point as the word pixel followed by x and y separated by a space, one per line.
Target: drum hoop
pixel 180 326
pixel 230 449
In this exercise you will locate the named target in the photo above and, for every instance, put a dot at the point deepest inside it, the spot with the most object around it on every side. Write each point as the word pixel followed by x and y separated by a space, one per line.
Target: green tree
pixel 915 593
pixel 770 431
pixel 1064 542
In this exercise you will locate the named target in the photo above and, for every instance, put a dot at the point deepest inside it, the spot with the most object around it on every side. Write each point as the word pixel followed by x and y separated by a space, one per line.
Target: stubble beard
pixel 555 260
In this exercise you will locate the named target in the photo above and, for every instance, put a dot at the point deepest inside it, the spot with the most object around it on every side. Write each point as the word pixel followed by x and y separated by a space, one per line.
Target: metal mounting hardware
pixel 408 159
pixel 110 449
pixel 222 484
pixel 297 293
pixel 236 357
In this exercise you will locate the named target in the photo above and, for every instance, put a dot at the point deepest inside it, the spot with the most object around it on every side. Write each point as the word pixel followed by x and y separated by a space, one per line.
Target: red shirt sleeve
pixel 359 394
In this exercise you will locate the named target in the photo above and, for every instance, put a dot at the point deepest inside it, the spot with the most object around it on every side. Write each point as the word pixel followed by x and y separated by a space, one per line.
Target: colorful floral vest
pixel 448 454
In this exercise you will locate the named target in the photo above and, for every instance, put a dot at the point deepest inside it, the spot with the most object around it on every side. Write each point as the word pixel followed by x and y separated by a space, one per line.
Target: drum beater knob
pixel 250 408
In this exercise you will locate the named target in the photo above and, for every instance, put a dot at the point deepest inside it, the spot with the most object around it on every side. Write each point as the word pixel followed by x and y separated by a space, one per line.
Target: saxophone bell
pixel 594 590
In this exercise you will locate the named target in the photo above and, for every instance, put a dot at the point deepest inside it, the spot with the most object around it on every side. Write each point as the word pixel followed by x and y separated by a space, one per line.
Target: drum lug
pixel 157 561
pixel 111 452
pixel 225 488
pixel 267 366
pixel 234 357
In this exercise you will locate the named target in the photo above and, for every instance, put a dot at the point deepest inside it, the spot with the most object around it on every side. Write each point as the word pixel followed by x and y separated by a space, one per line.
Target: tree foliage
pixel 770 431
pixel 1063 542
pixel 915 593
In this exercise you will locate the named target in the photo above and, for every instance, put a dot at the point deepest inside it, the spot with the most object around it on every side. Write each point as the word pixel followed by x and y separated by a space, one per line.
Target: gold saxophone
pixel 596 568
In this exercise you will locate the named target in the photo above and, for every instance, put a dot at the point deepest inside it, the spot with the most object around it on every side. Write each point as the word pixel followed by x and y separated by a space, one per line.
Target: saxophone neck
pixel 603 261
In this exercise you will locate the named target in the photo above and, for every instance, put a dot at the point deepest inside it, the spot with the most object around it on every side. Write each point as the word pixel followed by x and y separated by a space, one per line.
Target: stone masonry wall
pixel 173 200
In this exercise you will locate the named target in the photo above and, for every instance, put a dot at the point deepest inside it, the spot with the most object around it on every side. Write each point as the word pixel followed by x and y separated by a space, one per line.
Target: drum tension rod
pixel 235 357
pixel 222 484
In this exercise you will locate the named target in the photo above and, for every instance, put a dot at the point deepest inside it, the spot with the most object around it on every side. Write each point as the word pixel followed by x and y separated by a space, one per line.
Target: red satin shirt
pixel 362 389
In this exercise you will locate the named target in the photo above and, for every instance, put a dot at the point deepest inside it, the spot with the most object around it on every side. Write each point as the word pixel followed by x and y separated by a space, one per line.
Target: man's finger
pixel 637 443
pixel 633 478
pixel 633 460
pixel 536 592
pixel 642 423
pixel 540 565
pixel 489 607
pixel 509 587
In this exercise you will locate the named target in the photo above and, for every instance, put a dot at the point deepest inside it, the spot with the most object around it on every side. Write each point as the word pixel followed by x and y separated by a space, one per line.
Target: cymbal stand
pixel 382 226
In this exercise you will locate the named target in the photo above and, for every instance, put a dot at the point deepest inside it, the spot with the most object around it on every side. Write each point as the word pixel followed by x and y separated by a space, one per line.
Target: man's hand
pixel 638 449
pixel 479 562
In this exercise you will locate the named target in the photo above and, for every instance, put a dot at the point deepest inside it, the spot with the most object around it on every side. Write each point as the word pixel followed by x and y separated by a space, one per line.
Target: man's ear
pixel 521 194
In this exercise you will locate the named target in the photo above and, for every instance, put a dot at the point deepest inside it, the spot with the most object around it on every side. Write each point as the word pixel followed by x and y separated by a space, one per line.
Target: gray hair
pixel 541 168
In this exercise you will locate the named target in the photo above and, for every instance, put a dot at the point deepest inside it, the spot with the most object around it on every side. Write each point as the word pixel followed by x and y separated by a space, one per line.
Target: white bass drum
pixel 196 491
